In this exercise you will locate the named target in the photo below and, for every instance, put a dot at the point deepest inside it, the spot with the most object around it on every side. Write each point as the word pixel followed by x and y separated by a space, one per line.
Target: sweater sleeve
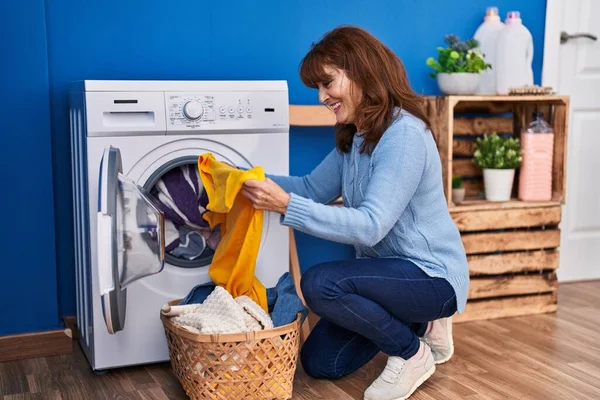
pixel 322 185
pixel 398 164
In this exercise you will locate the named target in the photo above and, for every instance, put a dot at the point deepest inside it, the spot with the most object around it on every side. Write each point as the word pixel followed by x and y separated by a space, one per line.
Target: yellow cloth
pixel 234 261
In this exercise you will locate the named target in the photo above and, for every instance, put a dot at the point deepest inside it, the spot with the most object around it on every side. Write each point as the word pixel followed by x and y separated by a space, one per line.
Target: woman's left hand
pixel 266 195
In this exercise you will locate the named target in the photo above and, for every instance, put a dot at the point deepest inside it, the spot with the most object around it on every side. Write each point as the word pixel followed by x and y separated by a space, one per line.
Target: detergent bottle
pixel 537 149
pixel 514 55
pixel 487 35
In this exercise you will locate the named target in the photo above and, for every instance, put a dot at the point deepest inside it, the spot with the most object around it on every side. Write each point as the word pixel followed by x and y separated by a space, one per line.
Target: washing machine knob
pixel 193 110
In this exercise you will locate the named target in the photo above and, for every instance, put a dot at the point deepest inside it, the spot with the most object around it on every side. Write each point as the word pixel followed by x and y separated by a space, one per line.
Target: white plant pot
pixel 458 195
pixel 498 184
pixel 458 83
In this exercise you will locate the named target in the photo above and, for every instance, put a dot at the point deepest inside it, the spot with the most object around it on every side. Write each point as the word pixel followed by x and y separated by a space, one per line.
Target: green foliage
pixel 458 57
pixel 457 182
pixel 497 152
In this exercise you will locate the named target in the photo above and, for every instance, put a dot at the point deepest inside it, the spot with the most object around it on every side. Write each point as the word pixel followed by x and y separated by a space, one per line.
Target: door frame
pixel 553 26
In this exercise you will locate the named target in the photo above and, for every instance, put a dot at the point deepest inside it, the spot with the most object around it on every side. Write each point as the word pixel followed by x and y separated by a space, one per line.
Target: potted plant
pixel 498 157
pixel 458 67
pixel 458 191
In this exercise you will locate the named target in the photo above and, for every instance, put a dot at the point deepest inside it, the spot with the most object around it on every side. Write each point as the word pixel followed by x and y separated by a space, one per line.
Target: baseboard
pixel 71 323
pixel 34 345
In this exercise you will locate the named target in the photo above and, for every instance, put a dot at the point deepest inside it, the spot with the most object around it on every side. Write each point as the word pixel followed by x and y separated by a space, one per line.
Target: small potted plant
pixel 458 67
pixel 498 157
pixel 458 191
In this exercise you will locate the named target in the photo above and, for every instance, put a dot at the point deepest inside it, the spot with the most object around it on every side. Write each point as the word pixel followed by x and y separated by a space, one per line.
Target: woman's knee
pixel 319 286
pixel 314 366
pixel 311 285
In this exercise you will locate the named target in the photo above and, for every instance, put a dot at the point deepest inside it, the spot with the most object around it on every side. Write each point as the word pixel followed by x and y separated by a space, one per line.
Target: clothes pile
pixel 282 299
pixel 204 204
pixel 220 313
pixel 183 200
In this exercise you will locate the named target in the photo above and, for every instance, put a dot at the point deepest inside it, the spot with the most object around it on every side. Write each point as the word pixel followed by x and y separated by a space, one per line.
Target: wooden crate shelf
pixel 512 247
pixel 457 121
pixel 513 256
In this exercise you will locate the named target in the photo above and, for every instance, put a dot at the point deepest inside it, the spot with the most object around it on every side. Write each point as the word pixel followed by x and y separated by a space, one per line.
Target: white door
pixel 572 67
pixel 130 238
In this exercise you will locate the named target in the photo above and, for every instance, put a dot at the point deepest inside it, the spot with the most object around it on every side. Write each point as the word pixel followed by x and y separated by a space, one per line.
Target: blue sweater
pixel 394 205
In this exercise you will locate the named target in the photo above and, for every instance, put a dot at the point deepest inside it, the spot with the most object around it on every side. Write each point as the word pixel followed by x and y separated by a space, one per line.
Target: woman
pixel 410 273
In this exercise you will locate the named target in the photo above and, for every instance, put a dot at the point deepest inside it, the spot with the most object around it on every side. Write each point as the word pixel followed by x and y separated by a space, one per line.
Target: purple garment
pixel 170 214
pixel 183 200
pixel 184 196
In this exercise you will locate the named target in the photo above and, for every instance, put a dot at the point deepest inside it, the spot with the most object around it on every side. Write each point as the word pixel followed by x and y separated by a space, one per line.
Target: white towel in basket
pixel 221 313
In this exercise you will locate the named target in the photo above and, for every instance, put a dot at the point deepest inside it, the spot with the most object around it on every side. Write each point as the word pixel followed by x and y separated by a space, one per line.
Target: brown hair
pixel 376 70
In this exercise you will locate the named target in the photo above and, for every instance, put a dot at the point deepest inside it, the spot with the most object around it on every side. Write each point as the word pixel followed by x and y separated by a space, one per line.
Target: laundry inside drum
pixel 189 241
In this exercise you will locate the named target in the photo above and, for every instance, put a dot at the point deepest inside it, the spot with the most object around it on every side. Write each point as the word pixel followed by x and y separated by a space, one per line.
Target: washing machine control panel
pixel 224 110
pixel 190 110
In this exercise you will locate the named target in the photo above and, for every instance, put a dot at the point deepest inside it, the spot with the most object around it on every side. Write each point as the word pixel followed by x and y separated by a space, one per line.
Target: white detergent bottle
pixel 487 35
pixel 514 55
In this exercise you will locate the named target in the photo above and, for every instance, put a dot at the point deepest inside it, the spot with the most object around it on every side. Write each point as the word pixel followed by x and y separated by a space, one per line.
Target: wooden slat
pixel 506 218
pixel 296 274
pixel 510 241
pixel 463 147
pixel 522 261
pixel 473 204
pixel 510 285
pixel 490 107
pixel 551 99
pixel 33 345
pixel 439 111
pixel 478 126
pixel 465 168
pixel 473 188
pixel 311 116
pixel 507 307
pixel 560 124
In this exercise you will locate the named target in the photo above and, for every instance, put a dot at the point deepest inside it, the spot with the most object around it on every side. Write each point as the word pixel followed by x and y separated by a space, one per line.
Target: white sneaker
pixel 401 378
pixel 440 340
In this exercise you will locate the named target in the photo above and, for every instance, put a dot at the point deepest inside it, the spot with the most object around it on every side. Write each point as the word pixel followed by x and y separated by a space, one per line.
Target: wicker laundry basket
pixel 248 365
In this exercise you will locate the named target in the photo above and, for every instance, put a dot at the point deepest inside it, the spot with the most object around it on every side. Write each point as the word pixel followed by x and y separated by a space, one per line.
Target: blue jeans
pixel 367 306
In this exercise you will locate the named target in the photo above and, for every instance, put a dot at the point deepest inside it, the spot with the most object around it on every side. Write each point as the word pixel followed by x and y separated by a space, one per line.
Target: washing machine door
pixel 130 237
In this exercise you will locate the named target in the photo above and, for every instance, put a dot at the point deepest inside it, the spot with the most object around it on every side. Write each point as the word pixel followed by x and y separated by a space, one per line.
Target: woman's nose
pixel 323 96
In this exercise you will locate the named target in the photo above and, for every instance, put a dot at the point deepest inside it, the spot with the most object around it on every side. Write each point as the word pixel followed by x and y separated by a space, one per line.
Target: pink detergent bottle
pixel 537 147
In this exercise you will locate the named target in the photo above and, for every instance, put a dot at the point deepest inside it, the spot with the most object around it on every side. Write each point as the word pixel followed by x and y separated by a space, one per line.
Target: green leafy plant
pixel 458 57
pixel 457 182
pixel 497 152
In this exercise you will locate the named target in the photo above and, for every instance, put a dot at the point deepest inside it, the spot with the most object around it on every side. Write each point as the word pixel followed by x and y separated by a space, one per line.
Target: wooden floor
pixel 551 356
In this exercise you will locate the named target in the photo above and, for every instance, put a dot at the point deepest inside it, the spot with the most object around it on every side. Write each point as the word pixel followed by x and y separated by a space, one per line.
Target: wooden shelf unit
pixel 512 247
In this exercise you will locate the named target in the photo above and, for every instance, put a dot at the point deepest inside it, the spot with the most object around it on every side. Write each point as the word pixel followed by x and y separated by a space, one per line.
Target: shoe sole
pixel 451 341
pixel 417 384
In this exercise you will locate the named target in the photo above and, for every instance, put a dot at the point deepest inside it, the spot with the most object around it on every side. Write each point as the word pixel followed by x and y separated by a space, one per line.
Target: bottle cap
pixel 491 14
pixel 513 16
pixel 537 115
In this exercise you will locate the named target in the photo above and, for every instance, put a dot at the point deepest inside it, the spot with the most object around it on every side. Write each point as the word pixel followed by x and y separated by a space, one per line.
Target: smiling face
pixel 340 95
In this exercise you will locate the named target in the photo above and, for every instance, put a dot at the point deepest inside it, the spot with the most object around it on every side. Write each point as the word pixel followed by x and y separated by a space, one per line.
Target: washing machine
pixel 125 136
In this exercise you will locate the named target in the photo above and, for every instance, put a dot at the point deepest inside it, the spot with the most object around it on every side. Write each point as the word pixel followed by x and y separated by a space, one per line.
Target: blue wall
pixel 28 266
pixel 192 39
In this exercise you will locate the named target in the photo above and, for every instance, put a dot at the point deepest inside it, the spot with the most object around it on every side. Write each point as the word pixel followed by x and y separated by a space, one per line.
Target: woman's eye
pixel 326 84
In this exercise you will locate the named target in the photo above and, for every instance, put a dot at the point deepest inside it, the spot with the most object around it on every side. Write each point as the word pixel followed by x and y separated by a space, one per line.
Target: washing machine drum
pixel 180 195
